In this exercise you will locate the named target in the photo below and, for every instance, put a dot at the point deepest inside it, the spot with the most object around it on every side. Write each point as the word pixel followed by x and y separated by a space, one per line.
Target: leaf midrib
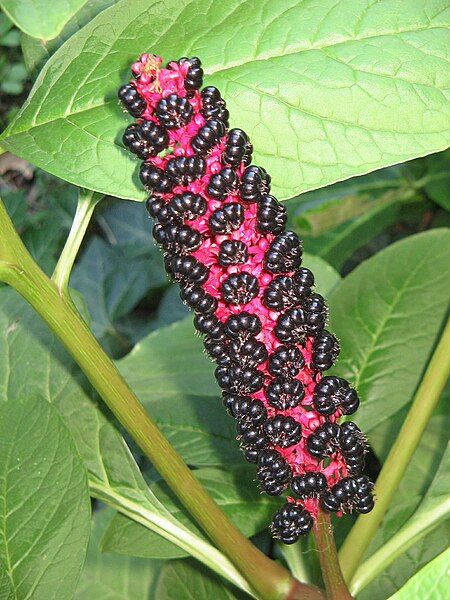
pixel 212 71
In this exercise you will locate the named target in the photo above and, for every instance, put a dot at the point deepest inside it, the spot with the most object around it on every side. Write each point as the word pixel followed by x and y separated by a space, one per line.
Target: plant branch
pixel 269 579
pixel 425 401
pixel 87 201
pixel 335 586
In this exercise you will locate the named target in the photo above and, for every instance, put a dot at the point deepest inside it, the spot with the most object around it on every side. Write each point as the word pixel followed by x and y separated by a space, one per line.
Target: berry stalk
pixel 335 586
pixel 240 558
pixel 225 243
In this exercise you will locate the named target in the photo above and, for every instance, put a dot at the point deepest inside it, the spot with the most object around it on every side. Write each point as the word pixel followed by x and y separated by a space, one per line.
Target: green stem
pixel 87 201
pixel 17 268
pixel 335 586
pixel 408 535
pixel 295 560
pixel 425 401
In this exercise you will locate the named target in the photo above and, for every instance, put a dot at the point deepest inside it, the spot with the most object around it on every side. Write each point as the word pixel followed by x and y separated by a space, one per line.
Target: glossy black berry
pixel 302 281
pixel 352 444
pixel 293 326
pixel 232 402
pixel 180 239
pixel 232 252
pixel 157 209
pixel 218 350
pixel 174 112
pixel 185 169
pixel 237 148
pixel 255 183
pixel 227 218
pixel 194 76
pixel 147 139
pixel 316 310
pixel 239 380
pixel 155 179
pixel 209 325
pixel 249 410
pixel 239 288
pixel 309 485
pixel 222 183
pixel 271 217
pixel 350 494
pixel 324 441
pixel 281 293
pixel 325 350
pixel 283 431
pixel 284 393
pixel 131 100
pixel 286 361
pixel 243 325
pixel 213 105
pixel 186 269
pixel 187 206
pixel 208 136
pixel 291 522
pixel 274 473
pixel 333 393
pixel 199 300
pixel 284 253
pixel 248 352
pixel 253 438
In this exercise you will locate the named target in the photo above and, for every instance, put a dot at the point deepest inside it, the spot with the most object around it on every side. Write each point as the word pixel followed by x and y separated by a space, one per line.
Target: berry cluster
pixel 225 243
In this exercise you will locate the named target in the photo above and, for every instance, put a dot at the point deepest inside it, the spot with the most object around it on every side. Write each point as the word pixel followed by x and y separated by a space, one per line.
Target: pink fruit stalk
pixel 225 243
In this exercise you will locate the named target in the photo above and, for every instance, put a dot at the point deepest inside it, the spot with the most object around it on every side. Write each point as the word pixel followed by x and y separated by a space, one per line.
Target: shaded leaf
pixel 27 346
pixel 353 90
pixel 187 580
pixel 433 579
pixel 235 492
pixel 387 314
pixel 113 577
pixel 36 18
pixel 45 508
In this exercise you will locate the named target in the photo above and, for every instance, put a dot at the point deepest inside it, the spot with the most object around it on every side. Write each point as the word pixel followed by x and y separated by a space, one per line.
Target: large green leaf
pixel 113 577
pixel 38 18
pixel 44 500
pixel 26 346
pixel 387 314
pixel 235 492
pixel 36 51
pixel 353 86
pixel 430 583
pixel 184 580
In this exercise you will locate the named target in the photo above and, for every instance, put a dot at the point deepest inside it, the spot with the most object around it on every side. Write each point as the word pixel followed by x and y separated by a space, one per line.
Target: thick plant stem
pixel 425 401
pixel 335 586
pixel 17 268
pixel 87 201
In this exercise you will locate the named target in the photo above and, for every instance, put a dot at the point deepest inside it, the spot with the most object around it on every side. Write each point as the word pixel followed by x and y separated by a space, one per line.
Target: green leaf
pixel 437 180
pixel 433 581
pixel 387 314
pixel 37 18
pixel 421 503
pixel 353 89
pixel 37 51
pixel 44 499
pixel 113 474
pixel 404 567
pixel 183 579
pixel 235 492
pixel 113 577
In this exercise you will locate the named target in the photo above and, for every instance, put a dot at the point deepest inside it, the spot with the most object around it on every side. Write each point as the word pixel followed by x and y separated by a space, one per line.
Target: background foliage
pixel 356 87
